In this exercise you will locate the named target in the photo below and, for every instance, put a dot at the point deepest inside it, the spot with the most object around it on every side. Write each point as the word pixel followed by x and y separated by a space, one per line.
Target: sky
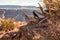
pixel 20 2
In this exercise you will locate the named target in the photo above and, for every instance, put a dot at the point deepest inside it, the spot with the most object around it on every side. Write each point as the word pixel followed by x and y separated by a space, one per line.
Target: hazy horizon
pixel 20 2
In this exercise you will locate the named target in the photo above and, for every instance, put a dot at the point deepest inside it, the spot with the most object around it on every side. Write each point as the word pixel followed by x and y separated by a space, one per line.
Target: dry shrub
pixel 47 28
pixel 52 4
pixel 6 24
pixel 9 29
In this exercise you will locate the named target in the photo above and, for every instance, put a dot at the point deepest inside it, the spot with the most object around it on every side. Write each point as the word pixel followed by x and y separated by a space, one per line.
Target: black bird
pixel 35 15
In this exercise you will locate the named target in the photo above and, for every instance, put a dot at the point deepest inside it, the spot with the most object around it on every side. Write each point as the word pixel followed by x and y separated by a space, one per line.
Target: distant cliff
pixel 15 6
pixel 9 11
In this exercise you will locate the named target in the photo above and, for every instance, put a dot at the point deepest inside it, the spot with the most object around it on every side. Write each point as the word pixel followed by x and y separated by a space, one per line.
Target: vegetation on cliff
pixel 47 28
